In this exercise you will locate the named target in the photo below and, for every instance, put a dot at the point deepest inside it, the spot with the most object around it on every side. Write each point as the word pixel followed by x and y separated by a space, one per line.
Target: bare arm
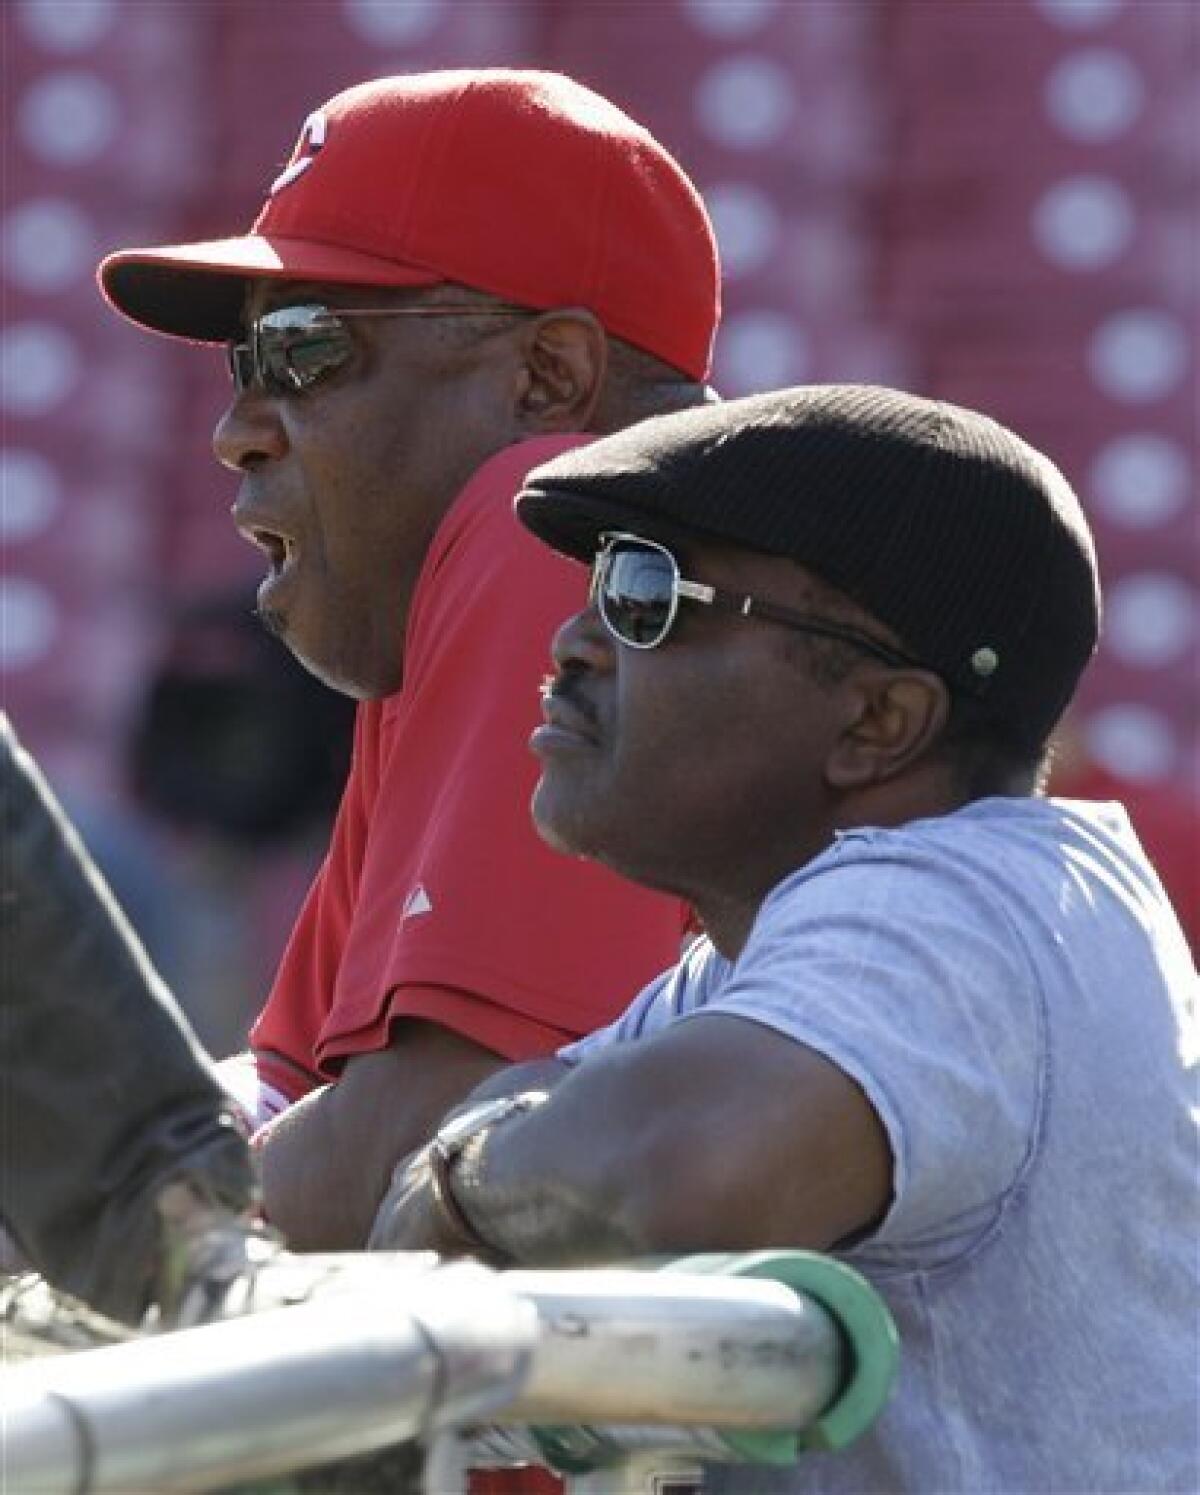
pixel 717 1134
pixel 327 1162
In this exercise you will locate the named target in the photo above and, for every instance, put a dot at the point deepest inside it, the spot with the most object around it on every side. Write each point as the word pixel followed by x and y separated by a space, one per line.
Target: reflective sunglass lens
pixel 290 350
pixel 241 365
pixel 636 593
pixel 298 346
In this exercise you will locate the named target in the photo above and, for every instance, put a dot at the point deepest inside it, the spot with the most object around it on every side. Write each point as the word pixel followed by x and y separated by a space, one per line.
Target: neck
pixel 729 897
pixel 728 913
pixel 626 403
pixel 728 922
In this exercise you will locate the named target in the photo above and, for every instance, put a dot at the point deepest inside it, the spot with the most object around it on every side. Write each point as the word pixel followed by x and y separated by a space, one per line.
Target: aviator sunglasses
pixel 637 587
pixel 290 349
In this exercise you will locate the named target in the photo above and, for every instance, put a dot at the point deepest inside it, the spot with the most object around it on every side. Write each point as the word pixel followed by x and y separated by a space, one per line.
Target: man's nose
pixel 583 642
pixel 250 432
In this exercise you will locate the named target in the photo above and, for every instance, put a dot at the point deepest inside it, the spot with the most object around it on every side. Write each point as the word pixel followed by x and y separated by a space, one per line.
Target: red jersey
pixel 437 898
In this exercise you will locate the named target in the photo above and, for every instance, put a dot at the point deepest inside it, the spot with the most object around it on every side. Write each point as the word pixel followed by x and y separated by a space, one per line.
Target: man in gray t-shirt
pixel 1020 1038
pixel 937 1024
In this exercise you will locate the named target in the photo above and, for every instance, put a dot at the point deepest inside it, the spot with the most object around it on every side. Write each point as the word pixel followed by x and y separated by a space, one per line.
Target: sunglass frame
pixel 248 363
pixel 740 603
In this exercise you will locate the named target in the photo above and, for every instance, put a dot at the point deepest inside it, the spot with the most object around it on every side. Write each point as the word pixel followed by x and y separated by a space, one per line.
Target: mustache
pixel 567 686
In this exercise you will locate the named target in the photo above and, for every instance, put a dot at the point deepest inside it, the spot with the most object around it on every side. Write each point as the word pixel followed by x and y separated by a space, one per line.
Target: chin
pixel 349 676
pixel 275 622
pixel 560 830
pixel 597 838
pixel 556 839
pixel 345 681
pixel 586 839
pixel 329 673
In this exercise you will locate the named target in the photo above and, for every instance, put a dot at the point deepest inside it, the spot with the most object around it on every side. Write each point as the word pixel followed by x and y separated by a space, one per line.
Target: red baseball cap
pixel 522 184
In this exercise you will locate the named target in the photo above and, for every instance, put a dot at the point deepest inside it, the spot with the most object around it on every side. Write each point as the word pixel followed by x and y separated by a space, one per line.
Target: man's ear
pixel 562 375
pixel 892 719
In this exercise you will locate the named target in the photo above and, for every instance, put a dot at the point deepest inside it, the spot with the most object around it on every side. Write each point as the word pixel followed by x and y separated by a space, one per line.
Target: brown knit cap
pixel 950 529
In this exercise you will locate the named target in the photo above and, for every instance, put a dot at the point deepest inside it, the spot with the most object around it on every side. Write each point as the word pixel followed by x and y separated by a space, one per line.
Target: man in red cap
pixel 455 276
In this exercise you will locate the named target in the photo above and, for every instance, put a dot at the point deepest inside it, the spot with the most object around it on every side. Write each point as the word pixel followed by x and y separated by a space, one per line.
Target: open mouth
pixel 279 549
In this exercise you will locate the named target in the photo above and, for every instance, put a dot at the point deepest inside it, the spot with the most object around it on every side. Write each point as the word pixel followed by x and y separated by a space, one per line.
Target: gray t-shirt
pixel 1011 990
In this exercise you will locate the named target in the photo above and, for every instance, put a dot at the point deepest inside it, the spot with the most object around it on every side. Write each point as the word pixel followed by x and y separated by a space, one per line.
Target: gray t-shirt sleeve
pixel 672 995
pixel 900 967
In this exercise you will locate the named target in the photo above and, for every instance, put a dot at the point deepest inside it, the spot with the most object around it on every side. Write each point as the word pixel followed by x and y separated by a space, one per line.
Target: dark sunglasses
pixel 637 587
pixel 292 348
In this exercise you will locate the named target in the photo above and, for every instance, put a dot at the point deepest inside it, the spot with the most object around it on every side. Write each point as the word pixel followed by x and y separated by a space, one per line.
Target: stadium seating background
pixel 996 204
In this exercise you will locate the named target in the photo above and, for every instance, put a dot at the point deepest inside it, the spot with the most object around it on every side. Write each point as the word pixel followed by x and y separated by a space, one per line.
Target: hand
pixel 257 1103
pixel 384 1105
pixel 407 1218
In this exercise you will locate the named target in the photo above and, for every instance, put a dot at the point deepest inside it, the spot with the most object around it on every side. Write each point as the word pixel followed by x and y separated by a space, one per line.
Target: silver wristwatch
pixel 446 1150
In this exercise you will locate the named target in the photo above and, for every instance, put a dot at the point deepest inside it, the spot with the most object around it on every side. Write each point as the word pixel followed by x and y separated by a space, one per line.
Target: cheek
pixel 361 513
pixel 713 747
pixel 681 717
pixel 554 817
pixel 436 429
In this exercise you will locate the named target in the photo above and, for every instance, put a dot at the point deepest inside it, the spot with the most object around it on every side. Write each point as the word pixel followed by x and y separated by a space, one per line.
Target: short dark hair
pixel 989 754
pixel 639 385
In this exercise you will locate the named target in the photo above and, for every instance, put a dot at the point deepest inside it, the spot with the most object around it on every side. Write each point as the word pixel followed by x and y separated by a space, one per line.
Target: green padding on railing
pixel 860 1313
pixel 850 1301
pixel 575 1450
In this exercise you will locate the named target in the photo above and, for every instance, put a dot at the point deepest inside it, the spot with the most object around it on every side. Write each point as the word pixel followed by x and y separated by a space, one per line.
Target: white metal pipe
pixel 350 1371
pixel 282 1390
pixel 630 1347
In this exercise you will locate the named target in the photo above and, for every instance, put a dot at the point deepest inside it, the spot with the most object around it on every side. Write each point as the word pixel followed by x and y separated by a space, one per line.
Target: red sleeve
pixel 449 906
pixel 284 1038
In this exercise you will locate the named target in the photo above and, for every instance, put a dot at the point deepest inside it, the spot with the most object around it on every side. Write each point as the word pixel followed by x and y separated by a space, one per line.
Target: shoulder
pixel 484 572
pixel 686 987
pixel 897 957
pixel 485 503
pixel 487 588
pixel 990 850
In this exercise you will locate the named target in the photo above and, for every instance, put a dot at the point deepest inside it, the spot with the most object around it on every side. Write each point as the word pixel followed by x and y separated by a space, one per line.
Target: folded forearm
pixel 316 1191
pixel 662 1146
pixel 551 1222
pixel 328 1161
pixel 549 1188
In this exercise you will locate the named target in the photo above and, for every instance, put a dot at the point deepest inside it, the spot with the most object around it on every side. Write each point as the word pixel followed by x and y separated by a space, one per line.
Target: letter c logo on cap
pixel 312 138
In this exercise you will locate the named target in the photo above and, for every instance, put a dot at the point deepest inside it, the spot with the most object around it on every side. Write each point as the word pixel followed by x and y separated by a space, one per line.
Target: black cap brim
pixel 573 524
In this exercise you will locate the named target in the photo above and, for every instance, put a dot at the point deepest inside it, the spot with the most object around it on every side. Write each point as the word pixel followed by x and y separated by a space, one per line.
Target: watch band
pixel 444 1152
pixel 452 1217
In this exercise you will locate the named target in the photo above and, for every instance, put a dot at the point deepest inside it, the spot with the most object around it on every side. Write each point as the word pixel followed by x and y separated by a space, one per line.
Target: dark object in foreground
pixel 107 1096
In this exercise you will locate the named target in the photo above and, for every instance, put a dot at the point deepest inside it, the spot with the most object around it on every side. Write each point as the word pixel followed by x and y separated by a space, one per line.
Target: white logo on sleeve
pixel 417 902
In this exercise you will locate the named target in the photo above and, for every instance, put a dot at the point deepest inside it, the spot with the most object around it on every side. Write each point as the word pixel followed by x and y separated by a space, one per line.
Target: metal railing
pixel 600 1373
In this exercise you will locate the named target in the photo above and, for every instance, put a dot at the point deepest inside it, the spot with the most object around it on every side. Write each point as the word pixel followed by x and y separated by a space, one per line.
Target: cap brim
pixel 198 291
pixel 573 524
